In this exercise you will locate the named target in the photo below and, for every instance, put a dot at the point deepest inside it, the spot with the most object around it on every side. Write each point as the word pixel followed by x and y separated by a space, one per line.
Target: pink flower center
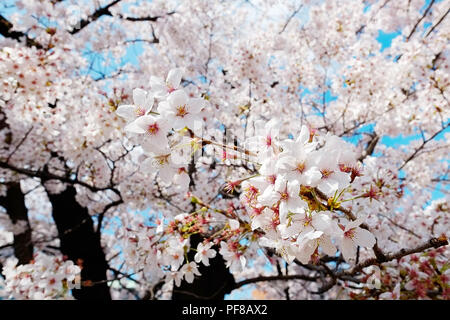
pixel 271 179
pixel 162 159
pixel 349 234
pixel 181 111
pixel 326 173
pixel 268 141
pixel 153 129
pixel 139 112
pixel 284 196
pixel 300 167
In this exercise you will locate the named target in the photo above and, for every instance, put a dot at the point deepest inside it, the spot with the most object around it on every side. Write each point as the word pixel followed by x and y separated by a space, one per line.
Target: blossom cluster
pixel 302 180
pixel 45 277
pixel 291 200
pixel 173 111
pixel 161 251
pixel 418 276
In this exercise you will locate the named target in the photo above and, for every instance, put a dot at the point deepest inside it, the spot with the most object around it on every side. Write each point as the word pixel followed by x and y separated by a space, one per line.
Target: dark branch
pixel 432 243
pixel 370 148
pixel 14 203
pixel 45 175
pixel 148 18
pixel 274 278
pixel 104 11
pixel 423 145
pixel 5 30
pixel 437 23
pixel 420 20
pixel 290 18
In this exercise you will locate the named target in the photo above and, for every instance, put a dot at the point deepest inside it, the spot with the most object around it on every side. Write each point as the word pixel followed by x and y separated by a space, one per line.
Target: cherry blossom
pixel 143 104
pixel 353 236
pixel 204 253
pixel 190 271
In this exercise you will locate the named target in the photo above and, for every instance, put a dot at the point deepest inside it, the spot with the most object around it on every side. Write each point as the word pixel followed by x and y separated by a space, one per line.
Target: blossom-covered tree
pixel 191 149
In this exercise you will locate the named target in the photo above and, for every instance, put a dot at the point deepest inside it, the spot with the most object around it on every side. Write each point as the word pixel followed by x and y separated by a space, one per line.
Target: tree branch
pixel 421 18
pixel 104 11
pixel 148 18
pixel 5 30
pixel 432 243
pixel 370 148
pixel 45 175
pixel 437 23
pixel 274 278
pixel 422 145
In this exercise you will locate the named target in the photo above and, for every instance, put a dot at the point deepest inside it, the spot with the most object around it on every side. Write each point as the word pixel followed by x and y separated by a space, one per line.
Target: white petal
pixel 283 210
pixel 182 180
pixel 327 246
pixel 348 249
pixel 177 98
pixel 312 177
pixel 205 261
pixel 174 77
pixel 304 135
pixel 280 184
pixel 355 223
pixel 322 222
pixel 243 261
pixel 139 97
pixel 149 103
pixel 126 111
pixel 295 204
pixel 364 238
pixel 342 178
pixel 269 197
pixel 293 189
pixel 328 186
pixel 134 128
pixel 211 253
pixel 158 86
pixel 145 121
pixel 290 231
pixel 189 277
pixel 195 105
pixel 308 229
pixel 177 281
pixel 163 107
pixel 303 257
pixel 166 174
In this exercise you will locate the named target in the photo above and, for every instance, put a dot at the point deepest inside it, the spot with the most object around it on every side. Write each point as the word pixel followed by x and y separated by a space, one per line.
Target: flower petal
pixel 364 238
pixel 348 249
pixel 139 97
pixel 174 78
pixel 177 98
pixel 327 246
pixel 195 105
pixel 126 111
pixel 134 128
